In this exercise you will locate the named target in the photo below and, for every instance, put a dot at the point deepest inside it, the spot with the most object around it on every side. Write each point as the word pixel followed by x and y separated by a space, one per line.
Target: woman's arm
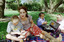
pixel 32 23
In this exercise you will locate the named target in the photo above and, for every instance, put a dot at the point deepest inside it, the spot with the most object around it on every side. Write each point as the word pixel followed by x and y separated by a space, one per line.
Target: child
pixel 60 20
pixel 41 20
pixel 15 29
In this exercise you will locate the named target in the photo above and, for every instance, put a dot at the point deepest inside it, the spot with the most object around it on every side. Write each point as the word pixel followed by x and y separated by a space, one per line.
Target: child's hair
pixel 59 16
pixel 15 17
pixel 40 13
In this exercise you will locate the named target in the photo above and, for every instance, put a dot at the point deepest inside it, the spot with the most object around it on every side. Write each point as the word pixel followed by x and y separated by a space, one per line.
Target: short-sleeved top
pixel 40 21
pixel 14 28
pixel 26 24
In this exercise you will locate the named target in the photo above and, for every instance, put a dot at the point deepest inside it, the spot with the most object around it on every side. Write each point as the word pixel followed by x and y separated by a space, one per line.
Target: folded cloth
pixel 35 30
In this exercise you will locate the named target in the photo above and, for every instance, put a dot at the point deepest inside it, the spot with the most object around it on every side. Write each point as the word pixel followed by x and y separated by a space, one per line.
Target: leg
pixel 8 36
pixel 42 36
pixel 47 35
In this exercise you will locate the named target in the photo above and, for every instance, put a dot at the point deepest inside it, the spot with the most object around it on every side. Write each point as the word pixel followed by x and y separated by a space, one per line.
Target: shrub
pixel 13 6
pixel 33 6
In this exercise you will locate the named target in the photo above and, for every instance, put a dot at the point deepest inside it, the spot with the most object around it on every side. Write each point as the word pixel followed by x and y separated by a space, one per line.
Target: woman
pixel 25 19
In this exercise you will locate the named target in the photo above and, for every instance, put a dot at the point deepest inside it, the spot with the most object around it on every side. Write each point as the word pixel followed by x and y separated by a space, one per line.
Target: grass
pixel 3 26
pixel 9 13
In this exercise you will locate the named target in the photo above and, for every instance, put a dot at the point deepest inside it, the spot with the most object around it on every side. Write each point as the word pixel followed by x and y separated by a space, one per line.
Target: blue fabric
pixel 40 21
pixel 8 40
pixel 38 39
pixel 32 38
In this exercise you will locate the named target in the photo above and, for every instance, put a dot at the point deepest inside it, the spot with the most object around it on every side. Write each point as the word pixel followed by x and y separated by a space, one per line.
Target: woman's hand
pixel 24 33
pixel 31 29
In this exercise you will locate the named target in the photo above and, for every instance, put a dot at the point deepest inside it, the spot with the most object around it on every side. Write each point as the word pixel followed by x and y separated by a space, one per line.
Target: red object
pixel 35 30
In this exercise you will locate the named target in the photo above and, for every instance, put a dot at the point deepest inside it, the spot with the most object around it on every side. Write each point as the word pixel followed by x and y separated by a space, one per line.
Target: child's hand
pixel 45 22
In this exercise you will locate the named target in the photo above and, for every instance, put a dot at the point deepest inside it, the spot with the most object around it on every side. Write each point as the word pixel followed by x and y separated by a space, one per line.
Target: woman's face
pixel 22 13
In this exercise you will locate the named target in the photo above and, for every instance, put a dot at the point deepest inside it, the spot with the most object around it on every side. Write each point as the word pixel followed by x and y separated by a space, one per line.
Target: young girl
pixel 15 29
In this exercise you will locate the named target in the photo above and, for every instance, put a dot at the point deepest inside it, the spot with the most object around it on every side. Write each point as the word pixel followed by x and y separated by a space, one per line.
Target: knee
pixel 8 36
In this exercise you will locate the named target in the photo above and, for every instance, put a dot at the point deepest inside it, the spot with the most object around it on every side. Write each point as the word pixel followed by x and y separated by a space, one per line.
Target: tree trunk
pixel 46 6
pixel 45 1
pixel 2 6
pixel 17 2
pixel 51 7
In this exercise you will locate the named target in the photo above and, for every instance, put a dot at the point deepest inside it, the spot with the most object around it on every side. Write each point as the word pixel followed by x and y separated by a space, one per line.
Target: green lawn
pixel 9 13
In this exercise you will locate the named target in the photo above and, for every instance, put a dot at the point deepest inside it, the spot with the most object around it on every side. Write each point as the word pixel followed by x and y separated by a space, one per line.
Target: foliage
pixel 3 26
pixel 10 0
pixel 50 5
pixel 33 7
pixel 13 6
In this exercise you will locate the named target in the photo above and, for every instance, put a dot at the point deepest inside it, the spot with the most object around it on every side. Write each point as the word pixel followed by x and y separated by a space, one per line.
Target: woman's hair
pixel 40 13
pixel 23 7
pixel 14 17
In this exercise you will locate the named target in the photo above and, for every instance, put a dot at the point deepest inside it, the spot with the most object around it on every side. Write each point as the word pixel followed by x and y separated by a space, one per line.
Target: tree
pixel 8 2
pixel 2 6
pixel 18 2
pixel 29 1
pixel 51 5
